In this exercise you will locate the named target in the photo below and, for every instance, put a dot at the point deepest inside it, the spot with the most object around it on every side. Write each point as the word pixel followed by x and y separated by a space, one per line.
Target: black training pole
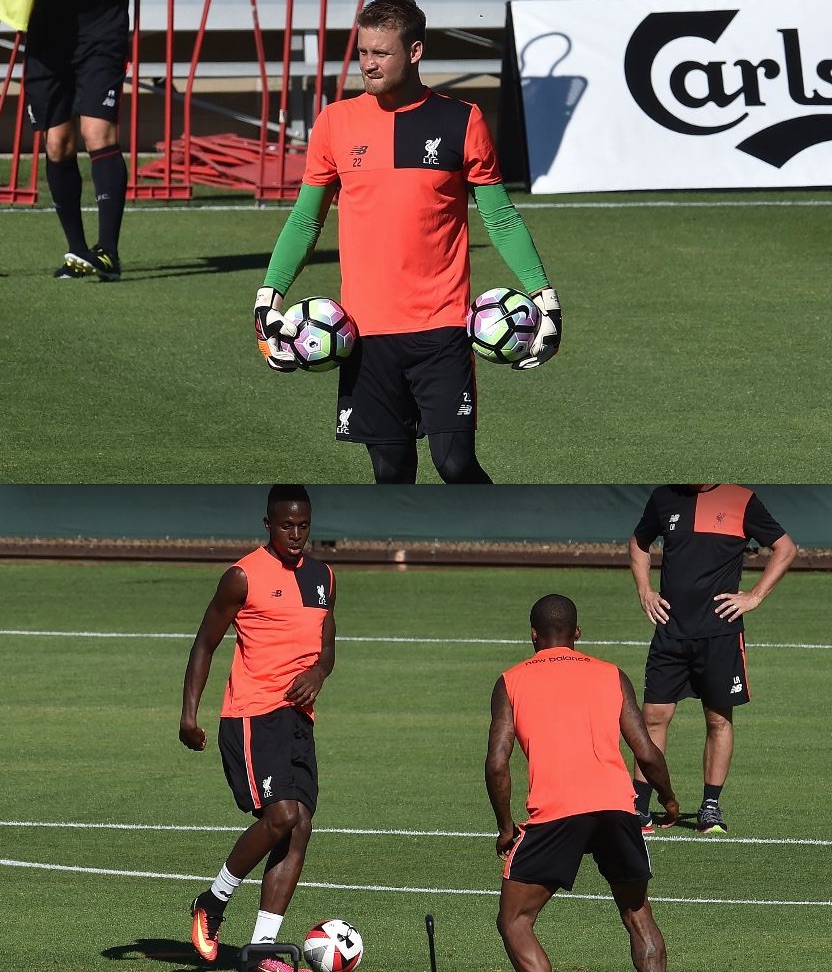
pixel 432 951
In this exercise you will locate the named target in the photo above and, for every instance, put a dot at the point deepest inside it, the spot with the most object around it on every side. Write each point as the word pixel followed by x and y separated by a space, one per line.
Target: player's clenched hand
pixel 507 840
pixel 304 690
pixel 549 329
pixel 269 326
pixel 193 737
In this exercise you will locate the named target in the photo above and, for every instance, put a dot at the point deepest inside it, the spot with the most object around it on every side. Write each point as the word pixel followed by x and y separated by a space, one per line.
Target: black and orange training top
pixel 403 205
pixel 566 708
pixel 705 535
pixel 279 629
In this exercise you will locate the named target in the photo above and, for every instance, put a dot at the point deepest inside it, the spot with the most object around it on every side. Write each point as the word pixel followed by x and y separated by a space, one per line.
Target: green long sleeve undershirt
pixel 510 236
pixel 504 225
pixel 299 236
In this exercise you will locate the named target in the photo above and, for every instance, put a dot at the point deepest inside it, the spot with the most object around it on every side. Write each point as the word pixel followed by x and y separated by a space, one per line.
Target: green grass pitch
pixel 90 737
pixel 696 338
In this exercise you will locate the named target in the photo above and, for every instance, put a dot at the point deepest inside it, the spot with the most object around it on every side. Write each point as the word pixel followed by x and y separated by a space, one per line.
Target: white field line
pixel 170 635
pixel 599 204
pixel 325 885
pixel 380 832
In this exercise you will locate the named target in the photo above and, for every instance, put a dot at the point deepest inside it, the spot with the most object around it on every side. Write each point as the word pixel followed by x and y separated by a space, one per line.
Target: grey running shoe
pixel 709 819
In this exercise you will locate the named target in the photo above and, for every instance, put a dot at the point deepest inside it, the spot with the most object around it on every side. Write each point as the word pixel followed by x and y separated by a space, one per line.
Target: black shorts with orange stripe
pixel 550 853
pixel 710 669
pixel 398 387
pixel 269 758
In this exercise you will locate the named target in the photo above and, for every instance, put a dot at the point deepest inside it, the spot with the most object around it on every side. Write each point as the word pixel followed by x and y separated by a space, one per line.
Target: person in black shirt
pixel 76 54
pixel 698 649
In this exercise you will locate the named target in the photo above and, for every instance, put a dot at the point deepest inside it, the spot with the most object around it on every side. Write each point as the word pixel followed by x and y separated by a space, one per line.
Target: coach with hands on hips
pixel 698 648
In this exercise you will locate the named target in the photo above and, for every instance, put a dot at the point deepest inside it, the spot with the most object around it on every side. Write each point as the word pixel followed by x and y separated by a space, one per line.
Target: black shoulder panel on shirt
pixel 314 582
pixel 432 136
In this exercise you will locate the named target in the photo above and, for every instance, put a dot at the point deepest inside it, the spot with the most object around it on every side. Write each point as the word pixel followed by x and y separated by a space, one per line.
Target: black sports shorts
pixel 550 853
pixel 75 61
pixel 268 758
pixel 711 669
pixel 397 387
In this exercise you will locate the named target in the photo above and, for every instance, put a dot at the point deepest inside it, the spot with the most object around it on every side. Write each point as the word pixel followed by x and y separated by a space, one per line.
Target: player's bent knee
pixel 282 817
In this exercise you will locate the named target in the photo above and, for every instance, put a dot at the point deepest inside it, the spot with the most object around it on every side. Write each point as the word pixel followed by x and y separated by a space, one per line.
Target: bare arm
pixel 227 601
pixel 306 687
pixel 653 604
pixel 732 606
pixel 497 769
pixel 648 755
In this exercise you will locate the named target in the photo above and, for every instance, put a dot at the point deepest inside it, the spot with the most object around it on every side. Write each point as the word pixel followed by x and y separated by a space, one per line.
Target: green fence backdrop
pixel 539 514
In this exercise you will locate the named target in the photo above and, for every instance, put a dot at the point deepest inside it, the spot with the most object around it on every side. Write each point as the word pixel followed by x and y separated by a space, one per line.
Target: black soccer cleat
pixel 103 263
pixel 74 268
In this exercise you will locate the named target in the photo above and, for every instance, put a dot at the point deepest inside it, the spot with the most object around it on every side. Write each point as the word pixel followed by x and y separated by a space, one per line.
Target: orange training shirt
pixel 566 708
pixel 403 206
pixel 278 629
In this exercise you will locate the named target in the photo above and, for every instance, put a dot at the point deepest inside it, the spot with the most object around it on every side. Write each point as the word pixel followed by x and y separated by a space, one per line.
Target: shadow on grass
pixel 172 953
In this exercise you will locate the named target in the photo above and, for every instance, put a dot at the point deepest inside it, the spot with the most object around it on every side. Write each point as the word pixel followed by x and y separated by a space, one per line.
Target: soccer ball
pixel 333 946
pixel 501 324
pixel 326 334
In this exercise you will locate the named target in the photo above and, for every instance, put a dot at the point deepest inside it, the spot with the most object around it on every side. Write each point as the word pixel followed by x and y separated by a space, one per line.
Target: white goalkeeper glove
pixel 269 326
pixel 547 336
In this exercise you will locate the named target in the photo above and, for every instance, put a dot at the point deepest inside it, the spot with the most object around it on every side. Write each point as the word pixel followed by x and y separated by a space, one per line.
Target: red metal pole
pixel 168 130
pixel 342 81
pixel 264 100
pixel 189 87
pixel 13 193
pixel 134 103
pixel 319 77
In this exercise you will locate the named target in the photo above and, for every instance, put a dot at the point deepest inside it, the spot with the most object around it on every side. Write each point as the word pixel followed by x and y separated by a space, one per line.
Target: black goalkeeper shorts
pixel 398 387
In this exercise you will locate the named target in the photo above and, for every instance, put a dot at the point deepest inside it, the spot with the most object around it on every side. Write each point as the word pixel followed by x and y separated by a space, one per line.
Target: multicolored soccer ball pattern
pixel 333 946
pixel 501 324
pixel 326 334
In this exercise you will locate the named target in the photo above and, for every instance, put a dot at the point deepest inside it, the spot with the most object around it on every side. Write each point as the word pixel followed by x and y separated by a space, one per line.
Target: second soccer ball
pixel 501 324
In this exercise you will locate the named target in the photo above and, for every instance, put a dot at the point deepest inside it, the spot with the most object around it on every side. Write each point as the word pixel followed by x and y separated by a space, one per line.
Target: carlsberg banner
pixel 634 94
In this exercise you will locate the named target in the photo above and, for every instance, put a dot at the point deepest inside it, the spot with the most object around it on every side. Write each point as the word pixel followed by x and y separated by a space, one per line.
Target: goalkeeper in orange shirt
pixel 404 159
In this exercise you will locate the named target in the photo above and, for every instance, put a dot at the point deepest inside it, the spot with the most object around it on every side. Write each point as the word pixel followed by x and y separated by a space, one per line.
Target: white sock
pixel 266 927
pixel 225 884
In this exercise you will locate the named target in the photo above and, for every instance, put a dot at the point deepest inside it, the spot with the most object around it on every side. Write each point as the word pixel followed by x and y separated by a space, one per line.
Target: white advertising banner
pixel 675 94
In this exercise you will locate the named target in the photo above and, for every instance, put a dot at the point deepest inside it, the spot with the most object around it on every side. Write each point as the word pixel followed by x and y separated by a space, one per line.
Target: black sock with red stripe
pixel 109 176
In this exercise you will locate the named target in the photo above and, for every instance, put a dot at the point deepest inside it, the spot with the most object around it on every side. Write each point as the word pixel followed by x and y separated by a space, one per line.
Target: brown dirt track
pixel 392 553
